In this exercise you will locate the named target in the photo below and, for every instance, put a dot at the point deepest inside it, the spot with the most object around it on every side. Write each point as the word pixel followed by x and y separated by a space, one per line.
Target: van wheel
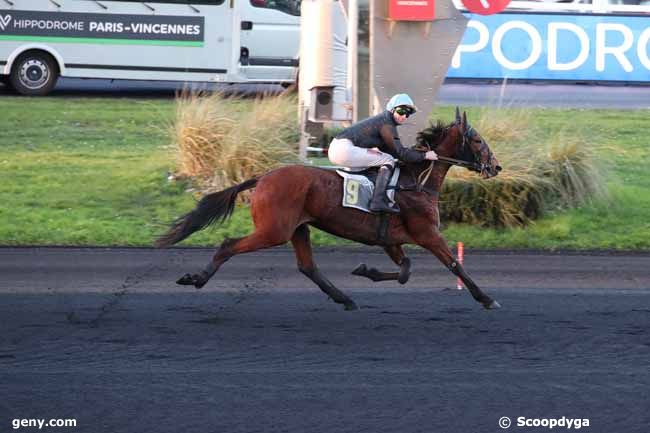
pixel 34 74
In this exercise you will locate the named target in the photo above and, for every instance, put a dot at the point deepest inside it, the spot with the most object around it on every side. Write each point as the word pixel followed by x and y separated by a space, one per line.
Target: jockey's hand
pixel 431 155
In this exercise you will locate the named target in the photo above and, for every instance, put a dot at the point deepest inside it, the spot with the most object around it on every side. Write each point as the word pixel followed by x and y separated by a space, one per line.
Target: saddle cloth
pixel 358 188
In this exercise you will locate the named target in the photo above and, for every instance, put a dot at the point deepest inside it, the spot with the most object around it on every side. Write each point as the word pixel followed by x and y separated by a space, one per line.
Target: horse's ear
pixel 463 123
pixel 457 114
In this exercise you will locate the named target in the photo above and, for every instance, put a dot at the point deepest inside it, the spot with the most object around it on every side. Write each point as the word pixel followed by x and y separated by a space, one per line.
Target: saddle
pixel 359 185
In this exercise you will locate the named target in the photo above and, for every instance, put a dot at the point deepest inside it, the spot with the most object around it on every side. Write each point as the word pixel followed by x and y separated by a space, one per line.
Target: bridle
pixel 475 165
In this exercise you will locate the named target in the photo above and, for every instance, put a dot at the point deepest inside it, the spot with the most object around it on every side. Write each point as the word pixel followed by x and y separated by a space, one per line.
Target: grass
pixel 218 147
pixel 94 172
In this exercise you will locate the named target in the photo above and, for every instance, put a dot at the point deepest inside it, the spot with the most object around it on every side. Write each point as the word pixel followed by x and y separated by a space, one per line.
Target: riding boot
pixel 379 202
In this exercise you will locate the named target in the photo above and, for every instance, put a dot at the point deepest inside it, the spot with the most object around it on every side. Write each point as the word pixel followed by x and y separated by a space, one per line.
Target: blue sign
pixel 554 47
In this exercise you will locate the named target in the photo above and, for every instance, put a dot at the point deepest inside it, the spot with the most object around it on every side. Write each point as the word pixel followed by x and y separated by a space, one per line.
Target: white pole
pixel 353 31
pixel 460 253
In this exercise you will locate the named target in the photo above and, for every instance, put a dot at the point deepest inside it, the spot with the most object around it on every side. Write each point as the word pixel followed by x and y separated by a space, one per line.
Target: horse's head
pixel 471 147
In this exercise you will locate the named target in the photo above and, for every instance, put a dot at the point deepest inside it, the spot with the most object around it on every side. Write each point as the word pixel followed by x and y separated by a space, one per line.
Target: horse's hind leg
pixel 306 265
pixel 396 253
pixel 256 241
pixel 437 245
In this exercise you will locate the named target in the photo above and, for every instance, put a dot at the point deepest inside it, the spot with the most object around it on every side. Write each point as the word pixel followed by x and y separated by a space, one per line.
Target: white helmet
pixel 401 99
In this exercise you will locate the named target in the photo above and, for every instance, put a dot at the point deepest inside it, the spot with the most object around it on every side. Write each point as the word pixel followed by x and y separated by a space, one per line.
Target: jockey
pixel 374 142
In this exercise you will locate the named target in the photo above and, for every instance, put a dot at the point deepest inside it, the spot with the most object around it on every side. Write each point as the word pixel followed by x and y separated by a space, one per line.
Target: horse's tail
pixel 211 208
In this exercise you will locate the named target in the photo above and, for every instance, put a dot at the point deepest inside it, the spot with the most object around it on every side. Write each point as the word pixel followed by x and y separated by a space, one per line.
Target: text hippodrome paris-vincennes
pixel 109 27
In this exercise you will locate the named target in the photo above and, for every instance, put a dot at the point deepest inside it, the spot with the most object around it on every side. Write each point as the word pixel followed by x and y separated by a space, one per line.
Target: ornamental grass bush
pixel 221 140
pixel 538 176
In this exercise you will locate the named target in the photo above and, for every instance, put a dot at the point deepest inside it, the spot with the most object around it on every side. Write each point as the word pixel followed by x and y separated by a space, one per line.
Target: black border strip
pixel 3 62
pixel 145 68
pixel 265 61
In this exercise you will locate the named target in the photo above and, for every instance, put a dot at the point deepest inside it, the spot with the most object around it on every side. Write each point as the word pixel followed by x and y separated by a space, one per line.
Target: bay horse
pixel 287 200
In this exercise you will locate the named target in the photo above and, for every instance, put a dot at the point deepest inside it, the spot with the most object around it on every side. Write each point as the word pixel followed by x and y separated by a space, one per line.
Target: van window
pixel 291 7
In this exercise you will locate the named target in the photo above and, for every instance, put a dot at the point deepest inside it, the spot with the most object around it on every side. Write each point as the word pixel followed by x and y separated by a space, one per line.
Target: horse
pixel 287 200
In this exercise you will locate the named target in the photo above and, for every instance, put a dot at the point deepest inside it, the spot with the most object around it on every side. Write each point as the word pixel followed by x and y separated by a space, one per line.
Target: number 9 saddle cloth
pixel 358 187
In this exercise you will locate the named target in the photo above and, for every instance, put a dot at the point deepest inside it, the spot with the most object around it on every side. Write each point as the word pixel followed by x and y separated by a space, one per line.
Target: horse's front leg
pixel 396 253
pixel 435 243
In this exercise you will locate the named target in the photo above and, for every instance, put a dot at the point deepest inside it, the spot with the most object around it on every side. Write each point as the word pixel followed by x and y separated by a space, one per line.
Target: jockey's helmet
pixel 401 99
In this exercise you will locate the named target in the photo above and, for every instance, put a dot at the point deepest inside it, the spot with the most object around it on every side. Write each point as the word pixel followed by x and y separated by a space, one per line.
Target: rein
pixel 462 163
pixel 453 161
pixel 428 171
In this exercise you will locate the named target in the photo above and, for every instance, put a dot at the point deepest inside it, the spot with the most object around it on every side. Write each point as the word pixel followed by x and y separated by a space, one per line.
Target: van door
pixel 218 48
pixel 270 39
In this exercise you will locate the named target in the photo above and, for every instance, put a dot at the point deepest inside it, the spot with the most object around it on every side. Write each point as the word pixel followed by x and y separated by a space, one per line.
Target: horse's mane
pixel 429 138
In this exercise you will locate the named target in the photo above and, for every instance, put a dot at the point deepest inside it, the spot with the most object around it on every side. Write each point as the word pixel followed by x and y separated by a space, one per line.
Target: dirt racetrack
pixel 104 336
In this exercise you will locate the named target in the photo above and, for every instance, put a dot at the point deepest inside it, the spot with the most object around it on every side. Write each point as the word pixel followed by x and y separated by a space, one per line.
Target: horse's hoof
pixel 360 270
pixel 403 277
pixel 185 280
pixel 404 271
pixel 492 305
pixel 192 280
pixel 351 306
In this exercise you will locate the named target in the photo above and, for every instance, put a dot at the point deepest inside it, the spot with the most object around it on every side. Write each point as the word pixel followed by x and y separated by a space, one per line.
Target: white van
pixel 227 41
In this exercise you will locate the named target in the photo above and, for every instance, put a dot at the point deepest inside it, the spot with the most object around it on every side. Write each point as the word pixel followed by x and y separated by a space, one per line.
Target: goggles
pixel 404 111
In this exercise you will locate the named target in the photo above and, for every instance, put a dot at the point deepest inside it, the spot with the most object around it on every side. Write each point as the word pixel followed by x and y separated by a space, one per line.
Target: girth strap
pixel 419 188
pixel 382 228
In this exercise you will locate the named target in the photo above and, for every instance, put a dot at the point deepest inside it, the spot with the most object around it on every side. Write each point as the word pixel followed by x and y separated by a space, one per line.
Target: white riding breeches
pixel 344 153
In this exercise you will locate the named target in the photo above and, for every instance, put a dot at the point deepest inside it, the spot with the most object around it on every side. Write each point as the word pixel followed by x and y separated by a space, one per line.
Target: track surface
pixel 106 337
